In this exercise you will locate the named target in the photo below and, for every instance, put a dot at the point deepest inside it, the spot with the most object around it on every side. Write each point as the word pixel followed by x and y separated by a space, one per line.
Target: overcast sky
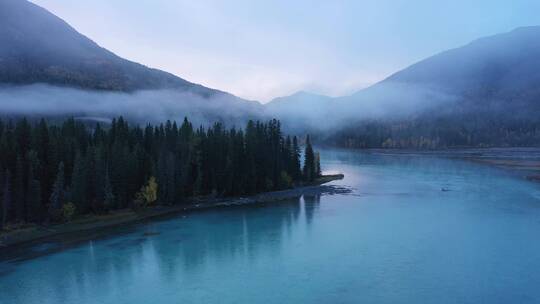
pixel 264 49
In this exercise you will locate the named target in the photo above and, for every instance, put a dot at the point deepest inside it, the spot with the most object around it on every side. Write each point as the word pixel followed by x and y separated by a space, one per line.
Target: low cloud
pixel 140 106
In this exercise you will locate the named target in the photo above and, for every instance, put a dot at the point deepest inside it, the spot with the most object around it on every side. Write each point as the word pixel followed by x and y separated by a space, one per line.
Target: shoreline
pixel 89 223
pixel 524 161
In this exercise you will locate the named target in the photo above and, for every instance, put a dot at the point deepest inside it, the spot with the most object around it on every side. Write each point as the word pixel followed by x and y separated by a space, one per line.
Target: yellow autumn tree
pixel 148 194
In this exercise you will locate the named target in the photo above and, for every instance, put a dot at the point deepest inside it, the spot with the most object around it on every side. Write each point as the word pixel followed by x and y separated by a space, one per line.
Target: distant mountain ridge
pixel 297 103
pixel 484 94
pixel 493 80
pixel 302 109
pixel 503 64
pixel 499 72
pixel 38 47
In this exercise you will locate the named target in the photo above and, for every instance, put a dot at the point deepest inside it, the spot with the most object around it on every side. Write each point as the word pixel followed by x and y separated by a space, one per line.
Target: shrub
pixel 148 194
pixel 68 211
pixel 286 180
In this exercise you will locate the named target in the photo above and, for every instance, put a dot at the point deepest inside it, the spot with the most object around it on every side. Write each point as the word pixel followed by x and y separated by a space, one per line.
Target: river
pixel 414 229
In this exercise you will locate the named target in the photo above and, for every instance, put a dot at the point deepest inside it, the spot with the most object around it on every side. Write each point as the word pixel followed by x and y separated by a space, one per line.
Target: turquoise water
pixel 397 238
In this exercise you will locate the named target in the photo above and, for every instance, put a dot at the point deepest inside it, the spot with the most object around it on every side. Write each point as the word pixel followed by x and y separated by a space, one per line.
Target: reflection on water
pixel 311 204
pixel 172 250
pixel 414 230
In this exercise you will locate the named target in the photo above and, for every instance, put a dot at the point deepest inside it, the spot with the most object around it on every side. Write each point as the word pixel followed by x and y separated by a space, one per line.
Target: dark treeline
pixel 467 130
pixel 53 172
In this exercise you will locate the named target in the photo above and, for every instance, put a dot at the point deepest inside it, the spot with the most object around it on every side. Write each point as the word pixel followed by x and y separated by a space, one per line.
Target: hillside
pixel 501 65
pixel 486 93
pixel 496 75
pixel 38 47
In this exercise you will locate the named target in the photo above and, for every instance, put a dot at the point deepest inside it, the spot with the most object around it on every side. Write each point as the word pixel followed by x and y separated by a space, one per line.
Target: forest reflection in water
pixel 169 251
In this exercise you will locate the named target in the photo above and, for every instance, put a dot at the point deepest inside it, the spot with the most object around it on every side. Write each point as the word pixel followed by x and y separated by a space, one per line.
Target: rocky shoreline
pixel 35 234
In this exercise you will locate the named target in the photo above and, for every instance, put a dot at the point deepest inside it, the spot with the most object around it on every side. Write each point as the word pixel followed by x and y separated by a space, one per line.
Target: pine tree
pixel 1 203
pixel 118 169
pixel 6 198
pixel 309 162
pixel 99 178
pixel 165 173
pixel 251 158
pixel 91 179
pixel 56 201
pixel 78 184
pixel 317 169
pixel 296 171
pixel 42 147
pixel 34 190
pixel 23 136
pixel 108 195
pixel 20 190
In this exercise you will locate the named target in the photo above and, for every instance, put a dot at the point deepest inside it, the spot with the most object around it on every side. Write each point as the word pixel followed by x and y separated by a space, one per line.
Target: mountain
pixel 486 93
pixel 492 73
pixel 496 73
pixel 38 47
pixel 302 109
pixel 47 68
pixel 501 65
pixel 298 101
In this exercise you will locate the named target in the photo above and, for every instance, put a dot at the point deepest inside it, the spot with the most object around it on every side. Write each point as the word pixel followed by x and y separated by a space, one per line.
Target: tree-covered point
pixel 53 172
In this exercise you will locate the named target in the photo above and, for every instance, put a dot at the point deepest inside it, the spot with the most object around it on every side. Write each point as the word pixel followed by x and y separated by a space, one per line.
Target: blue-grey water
pixel 397 238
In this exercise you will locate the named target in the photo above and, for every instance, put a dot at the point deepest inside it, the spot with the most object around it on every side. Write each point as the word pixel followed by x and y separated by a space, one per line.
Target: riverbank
pixel 524 162
pixel 35 233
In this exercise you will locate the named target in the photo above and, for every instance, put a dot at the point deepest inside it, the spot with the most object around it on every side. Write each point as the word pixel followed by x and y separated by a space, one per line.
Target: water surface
pixel 397 238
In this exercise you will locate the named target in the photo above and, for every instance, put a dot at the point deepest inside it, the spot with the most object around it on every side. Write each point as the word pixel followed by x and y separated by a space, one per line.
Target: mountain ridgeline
pixel 486 93
pixel 47 68
pixel 301 111
pixel 38 47
pixel 55 172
